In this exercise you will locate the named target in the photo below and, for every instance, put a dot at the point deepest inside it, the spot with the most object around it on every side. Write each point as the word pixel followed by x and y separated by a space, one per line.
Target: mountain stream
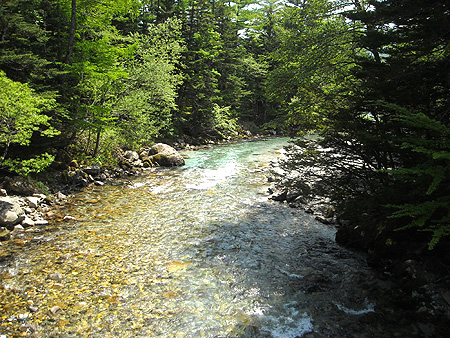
pixel 196 251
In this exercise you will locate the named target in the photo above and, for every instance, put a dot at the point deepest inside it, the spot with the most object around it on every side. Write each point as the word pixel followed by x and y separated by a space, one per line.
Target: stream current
pixel 197 251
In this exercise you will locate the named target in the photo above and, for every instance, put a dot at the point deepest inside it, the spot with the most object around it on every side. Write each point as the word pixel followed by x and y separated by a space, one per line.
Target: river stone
pixel 279 196
pixel 60 196
pixel 5 235
pixel 73 164
pixel 165 156
pixel 131 156
pixel 56 276
pixel 55 310
pixel 27 222
pixel 94 169
pixel 41 222
pixel 32 201
pixel 10 212
pixel 78 178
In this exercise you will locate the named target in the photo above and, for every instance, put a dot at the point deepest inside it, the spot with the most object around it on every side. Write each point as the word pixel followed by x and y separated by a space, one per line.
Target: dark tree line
pixel 369 77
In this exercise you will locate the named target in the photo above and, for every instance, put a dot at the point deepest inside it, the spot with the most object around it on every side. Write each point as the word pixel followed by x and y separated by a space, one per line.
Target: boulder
pixel 20 186
pixel 131 156
pixel 94 170
pixel 10 212
pixel 165 156
pixel 79 178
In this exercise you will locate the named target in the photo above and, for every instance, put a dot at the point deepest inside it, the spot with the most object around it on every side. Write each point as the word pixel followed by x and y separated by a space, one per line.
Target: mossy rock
pixel 5 235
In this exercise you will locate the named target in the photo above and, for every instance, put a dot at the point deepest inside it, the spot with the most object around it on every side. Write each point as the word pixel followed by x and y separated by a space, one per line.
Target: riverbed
pixel 196 251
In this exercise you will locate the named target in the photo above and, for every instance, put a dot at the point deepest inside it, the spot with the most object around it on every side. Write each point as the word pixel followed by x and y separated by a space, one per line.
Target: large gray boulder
pixel 165 156
pixel 10 212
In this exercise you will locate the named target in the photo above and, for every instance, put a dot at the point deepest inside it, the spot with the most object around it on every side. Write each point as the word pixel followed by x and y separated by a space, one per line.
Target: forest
pixel 368 78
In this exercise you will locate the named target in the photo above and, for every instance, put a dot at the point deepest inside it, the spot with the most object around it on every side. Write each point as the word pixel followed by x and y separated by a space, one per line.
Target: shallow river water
pixel 197 251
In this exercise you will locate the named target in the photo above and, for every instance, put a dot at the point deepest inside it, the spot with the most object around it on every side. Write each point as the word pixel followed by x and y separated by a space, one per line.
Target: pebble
pixel 28 222
pixel 55 276
pixel 41 222
pixel 50 214
pixel 56 309
pixel 33 308
pixel 23 316
pixel 58 286
pixel 27 328
pixel 69 218
pixel 32 202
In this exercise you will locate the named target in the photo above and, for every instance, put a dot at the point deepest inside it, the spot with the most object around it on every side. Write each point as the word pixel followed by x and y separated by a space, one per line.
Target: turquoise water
pixel 197 251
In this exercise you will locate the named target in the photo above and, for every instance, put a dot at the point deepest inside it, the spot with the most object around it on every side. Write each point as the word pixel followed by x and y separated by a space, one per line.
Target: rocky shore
pixel 420 278
pixel 25 210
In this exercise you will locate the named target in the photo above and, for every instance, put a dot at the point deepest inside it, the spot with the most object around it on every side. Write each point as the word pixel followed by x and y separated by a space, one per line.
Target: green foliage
pixel 20 117
pixel 429 176
pixel 32 165
pixel 223 123
pixel 399 117
pixel 145 109
pixel 374 88
pixel 312 62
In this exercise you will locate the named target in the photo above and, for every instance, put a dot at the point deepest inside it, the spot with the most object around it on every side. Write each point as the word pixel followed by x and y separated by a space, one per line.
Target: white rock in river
pixel 32 201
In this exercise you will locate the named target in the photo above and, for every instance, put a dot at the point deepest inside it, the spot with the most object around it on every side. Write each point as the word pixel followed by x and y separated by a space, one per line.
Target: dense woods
pixel 370 78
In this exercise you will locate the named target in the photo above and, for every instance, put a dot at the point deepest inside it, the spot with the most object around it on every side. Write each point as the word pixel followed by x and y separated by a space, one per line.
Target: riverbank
pixel 420 277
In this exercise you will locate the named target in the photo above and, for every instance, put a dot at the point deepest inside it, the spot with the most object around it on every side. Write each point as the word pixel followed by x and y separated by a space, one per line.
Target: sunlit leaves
pixel 312 60
pixel 21 116
pixel 145 109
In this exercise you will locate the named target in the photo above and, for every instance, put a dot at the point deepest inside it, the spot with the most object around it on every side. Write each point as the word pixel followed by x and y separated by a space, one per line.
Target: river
pixel 197 251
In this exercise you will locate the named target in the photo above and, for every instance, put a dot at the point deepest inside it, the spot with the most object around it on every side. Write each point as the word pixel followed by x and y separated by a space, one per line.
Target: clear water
pixel 197 251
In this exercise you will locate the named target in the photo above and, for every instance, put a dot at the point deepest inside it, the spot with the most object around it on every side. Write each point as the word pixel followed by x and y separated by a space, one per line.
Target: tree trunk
pixel 5 152
pixel 97 142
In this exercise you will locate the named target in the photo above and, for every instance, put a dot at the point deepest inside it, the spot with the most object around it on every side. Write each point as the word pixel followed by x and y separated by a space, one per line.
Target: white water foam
pixel 292 325
pixel 369 307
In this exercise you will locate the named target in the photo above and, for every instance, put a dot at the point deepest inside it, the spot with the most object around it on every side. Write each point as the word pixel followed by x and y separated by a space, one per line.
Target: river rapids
pixel 196 251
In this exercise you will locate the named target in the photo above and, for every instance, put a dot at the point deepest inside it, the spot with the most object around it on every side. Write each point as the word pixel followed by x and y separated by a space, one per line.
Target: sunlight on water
pixel 197 251
pixel 211 177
